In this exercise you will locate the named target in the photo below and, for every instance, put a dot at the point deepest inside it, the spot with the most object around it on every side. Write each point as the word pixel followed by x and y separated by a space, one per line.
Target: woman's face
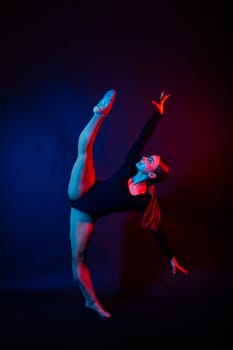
pixel 148 164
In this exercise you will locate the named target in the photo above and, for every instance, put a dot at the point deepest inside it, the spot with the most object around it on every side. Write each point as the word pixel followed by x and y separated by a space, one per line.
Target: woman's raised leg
pixel 83 172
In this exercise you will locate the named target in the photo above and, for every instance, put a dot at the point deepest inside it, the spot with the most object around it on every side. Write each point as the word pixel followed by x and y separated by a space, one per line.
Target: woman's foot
pixel 105 104
pixel 98 308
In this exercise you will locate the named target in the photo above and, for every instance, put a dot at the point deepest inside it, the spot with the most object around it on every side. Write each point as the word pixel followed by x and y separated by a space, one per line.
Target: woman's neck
pixel 136 188
pixel 139 178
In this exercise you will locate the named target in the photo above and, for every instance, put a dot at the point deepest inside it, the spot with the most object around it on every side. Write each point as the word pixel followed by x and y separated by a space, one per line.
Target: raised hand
pixel 176 266
pixel 160 105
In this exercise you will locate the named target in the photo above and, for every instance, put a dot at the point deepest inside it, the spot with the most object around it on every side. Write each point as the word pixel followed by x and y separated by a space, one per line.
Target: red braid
pixel 151 217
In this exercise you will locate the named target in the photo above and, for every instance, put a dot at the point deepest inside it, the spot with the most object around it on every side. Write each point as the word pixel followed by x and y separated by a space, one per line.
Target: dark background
pixel 56 63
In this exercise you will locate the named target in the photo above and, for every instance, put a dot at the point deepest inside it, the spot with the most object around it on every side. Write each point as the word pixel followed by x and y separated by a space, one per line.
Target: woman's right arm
pixel 135 151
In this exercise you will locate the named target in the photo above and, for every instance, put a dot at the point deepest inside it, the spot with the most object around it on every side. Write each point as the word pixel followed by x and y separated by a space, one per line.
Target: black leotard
pixel 112 195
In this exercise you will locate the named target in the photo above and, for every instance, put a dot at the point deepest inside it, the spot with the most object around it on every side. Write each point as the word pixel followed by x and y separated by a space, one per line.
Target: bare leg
pixel 83 172
pixel 81 224
pixel 81 231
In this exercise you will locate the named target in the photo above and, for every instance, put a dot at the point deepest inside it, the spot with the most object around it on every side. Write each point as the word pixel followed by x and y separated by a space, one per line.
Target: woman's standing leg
pixel 81 231
pixel 81 179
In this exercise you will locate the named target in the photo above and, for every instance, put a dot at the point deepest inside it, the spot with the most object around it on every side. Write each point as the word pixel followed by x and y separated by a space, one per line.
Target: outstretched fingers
pixel 164 97
pixel 160 105
pixel 182 270
pixel 176 266
pixel 156 104
pixel 161 95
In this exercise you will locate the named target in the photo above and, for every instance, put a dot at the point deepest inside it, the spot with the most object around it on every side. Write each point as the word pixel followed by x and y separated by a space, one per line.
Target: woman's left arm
pixel 162 240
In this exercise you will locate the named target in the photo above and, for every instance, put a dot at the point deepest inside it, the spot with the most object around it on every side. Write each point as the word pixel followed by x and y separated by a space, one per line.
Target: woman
pixel 130 188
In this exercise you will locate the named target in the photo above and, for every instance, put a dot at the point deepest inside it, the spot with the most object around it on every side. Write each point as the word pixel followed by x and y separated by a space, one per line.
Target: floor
pixel 57 319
